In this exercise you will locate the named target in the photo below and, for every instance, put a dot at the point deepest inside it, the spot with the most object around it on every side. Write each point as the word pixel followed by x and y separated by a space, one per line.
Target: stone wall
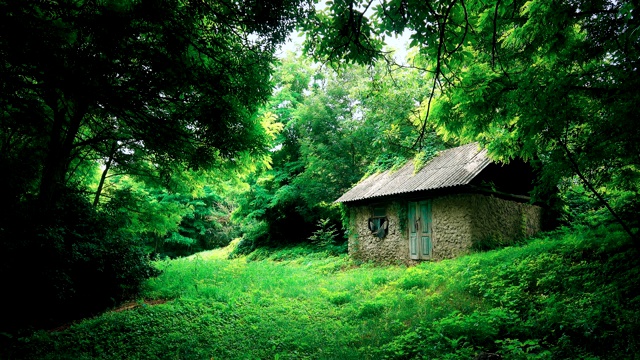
pixel 500 221
pixel 365 246
pixel 458 221
pixel 452 231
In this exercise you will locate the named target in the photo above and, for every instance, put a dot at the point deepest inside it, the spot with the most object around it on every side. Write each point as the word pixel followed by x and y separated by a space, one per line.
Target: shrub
pixel 340 298
pixel 255 233
pixel 568 295
pixel 325 235
pixel 370 309
pixel 69 262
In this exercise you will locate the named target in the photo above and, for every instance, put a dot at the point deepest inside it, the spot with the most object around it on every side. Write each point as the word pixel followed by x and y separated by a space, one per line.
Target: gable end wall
pixel 503 221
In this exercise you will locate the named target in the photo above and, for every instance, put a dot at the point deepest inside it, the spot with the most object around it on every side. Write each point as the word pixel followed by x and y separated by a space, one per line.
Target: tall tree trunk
pixel 59 149
pixel 107 165
pixel 52 172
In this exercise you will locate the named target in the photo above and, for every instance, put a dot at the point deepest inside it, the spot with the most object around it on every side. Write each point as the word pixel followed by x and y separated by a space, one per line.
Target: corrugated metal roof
pixel 452 167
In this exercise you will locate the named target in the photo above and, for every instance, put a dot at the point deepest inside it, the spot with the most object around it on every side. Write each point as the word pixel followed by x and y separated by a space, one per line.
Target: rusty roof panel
pixel 452 167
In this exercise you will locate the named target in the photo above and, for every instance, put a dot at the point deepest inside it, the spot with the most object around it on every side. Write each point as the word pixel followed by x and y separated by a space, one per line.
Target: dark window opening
pixel 378 223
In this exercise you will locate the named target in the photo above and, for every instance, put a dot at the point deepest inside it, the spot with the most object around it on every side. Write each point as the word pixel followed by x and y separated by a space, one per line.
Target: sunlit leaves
pixel 344 28
pixel 553 83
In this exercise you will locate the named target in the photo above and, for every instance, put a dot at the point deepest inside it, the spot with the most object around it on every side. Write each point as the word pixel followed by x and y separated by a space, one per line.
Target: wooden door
pixel 420 229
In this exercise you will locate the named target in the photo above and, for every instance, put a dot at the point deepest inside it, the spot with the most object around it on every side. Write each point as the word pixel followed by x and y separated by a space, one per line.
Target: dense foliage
pixel 80 262
pixel 337 126
pixel 140 129
pixel 566 295
pixel 553 82
pixel 99 99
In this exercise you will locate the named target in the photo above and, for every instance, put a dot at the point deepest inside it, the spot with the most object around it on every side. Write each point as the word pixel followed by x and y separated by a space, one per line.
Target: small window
pixel 378 223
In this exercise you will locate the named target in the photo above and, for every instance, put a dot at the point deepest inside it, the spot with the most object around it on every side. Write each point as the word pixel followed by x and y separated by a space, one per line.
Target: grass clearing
pixel 570 294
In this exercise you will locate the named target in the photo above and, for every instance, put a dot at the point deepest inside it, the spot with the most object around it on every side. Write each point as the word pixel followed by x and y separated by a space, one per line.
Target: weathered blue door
pixel 420 228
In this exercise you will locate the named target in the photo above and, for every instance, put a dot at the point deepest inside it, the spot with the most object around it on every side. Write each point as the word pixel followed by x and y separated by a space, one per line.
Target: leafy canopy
pixel 130 106
pixel 166 82
pixel 337 126
pixel 551 82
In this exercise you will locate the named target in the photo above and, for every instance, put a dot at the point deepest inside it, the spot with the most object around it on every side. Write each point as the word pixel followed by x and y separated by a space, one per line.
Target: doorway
pixel 420 229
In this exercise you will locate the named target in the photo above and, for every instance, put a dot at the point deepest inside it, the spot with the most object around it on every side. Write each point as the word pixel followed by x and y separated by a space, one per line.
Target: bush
pixel 568 295
pixel 69 262
pixel 325 235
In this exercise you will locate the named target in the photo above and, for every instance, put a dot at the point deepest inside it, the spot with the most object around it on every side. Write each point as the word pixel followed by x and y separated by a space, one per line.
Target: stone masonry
pixel 458 221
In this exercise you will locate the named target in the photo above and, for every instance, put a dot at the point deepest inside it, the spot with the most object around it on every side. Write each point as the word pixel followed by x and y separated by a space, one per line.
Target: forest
pixel 169 177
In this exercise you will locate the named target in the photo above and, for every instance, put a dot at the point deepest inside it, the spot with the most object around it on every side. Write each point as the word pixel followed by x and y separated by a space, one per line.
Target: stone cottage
pixel 457 201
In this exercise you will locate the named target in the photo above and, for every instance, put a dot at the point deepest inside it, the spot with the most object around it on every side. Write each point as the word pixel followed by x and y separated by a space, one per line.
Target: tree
pixel 96 89
pixel 337 126
pixel 552 82
pixel 178 81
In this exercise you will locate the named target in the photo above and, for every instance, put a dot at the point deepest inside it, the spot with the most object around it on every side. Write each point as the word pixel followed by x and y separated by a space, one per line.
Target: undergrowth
pixel 568 294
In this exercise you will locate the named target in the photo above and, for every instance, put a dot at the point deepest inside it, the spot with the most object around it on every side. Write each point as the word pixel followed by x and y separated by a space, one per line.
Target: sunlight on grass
pixel 546 297
pixel 216 254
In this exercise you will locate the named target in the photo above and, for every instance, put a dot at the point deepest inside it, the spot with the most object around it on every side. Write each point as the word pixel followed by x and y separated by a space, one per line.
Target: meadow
pixel 568 294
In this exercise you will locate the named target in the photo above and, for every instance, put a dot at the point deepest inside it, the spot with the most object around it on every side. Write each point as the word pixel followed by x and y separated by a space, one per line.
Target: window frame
pixel 378 223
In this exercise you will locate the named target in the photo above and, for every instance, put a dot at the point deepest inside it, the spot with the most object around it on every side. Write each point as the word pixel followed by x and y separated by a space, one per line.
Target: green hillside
pixel 568 294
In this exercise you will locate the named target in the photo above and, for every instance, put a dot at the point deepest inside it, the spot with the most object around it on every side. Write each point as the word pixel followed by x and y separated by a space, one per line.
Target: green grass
pixel 570 294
